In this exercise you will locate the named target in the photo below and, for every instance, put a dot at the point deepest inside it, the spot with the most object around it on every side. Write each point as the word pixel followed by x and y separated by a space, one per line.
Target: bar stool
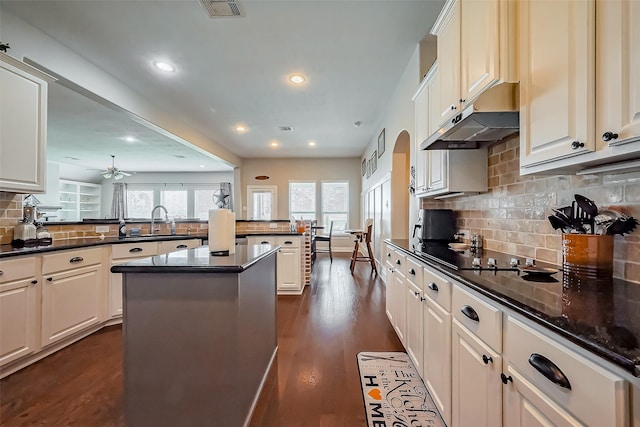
pixel 366 235
pixel 326 238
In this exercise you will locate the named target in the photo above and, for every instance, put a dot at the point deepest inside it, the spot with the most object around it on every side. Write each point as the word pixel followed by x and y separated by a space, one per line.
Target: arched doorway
pixel 401 163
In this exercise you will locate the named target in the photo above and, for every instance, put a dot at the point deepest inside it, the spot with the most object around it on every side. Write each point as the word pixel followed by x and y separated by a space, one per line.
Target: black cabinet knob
pixel 487 359
pixel 453 107
pixel 49 279
pixel 34 282
pixel 576 144
pixel 608 136
pixel 398 261
pixel 462 101
pixel 412 272
pixel 505 379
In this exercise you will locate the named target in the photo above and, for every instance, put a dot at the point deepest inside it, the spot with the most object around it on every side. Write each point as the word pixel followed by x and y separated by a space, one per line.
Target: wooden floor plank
pixel 314 381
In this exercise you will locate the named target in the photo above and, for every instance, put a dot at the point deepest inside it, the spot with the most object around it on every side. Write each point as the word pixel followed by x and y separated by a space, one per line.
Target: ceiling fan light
pixel 107 175
pixel 118 176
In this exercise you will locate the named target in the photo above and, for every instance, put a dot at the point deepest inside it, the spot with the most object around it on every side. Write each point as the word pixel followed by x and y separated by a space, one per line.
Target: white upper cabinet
pixel 580 84
pixel 23 126
pixel 476 47
pixel 617 73
pixel 556 79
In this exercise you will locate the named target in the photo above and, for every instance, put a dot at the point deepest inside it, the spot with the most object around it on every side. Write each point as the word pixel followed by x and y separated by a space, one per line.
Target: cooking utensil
pixel 622 225
pixel 558 222
pixel 588 210
pixel 577 219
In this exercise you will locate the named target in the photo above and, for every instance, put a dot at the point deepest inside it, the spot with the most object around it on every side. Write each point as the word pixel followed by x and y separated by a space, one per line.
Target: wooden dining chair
pixel 325 238
pixel 365 238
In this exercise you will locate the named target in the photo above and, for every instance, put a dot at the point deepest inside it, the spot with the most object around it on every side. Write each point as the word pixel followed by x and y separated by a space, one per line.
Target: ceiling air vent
pixel 286 128
pixel 221 9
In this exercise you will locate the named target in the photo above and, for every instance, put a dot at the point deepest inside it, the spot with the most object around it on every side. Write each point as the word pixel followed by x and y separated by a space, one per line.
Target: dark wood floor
pixel 314 381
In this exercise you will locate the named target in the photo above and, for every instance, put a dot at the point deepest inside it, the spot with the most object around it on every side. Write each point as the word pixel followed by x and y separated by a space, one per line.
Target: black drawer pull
pixel 135 250
pixel 505 379
pixel 549 369
pixel 288 242
pixel 264 242
pixel 76 259
pixel 1 272
pixel 433 287
pixel 412 271
pixel 181 247
pixel 468 311
pixel 398 261
pixel 487 359
pixel 34 282
pixel 49 279
pixel 389 254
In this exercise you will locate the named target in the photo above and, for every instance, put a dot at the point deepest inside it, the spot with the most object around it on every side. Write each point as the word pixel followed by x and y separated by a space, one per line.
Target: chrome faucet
pixel 153 213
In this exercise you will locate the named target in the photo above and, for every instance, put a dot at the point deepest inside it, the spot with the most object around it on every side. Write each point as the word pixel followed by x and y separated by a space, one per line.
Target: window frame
pixel 324 214
pixel 158 188
pixel 315 199
pixel 273 189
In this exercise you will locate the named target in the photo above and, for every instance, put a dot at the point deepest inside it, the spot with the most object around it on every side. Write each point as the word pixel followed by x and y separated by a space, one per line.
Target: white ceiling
pixel 234 70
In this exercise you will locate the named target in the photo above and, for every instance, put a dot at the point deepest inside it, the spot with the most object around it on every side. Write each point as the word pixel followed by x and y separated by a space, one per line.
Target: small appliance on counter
pixel 43 235
pixel 434 225
pixel 24 235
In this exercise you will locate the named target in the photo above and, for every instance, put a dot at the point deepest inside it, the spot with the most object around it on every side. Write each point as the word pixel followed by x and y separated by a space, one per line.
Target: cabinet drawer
pixel 414 272
pixel 177 245
pixel 17 268
pixel 479 316
pixel 437 288
pixel 67 260
pixel 134 250
pixel 399 263
pixel 597 397
pixel 288 242
pixel 262 240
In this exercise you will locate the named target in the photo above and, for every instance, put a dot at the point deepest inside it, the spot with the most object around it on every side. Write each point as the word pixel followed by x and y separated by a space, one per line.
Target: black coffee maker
pixel 435 225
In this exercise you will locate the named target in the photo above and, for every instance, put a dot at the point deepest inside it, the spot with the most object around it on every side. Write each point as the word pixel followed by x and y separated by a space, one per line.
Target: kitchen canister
pixel 587 260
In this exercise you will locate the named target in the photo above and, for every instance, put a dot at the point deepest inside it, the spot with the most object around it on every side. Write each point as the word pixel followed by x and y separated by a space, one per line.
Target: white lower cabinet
pixel 550 384
pixel 71 293
pixel 437 340
pixel 19 295
pixel 414 342
pixel 396 296
pixel 476 386
pixel 120 254
pixel 289 277
pixel 177 245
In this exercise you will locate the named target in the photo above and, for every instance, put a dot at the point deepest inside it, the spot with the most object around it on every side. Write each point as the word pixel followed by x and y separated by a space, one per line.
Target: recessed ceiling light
pixel 164 66
pixel 240 128
pixel 297 78
pixel 274 143
pixel 312 143
pixel 129 138
pixel 357 124
pixel 201 166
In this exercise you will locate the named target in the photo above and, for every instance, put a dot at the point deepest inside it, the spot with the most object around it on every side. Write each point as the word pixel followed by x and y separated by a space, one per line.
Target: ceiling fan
pixel 113 172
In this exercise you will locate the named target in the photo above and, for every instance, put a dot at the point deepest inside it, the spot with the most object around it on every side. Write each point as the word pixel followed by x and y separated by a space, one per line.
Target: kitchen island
pixel 199 335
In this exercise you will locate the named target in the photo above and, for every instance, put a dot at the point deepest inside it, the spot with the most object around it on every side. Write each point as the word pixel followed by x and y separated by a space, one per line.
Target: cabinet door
pixel 23 127
pixel 415 326
pixel 288 270
pixel 432 108
pixel 479 47
pixel 390 286
pixel 70 302
pixel 526 406
pixel 18 303
pixel 557 78
pixel 177 245
pixel 476 385
pixel 437 356
pixel 618 71
pixel 449 64
pixel 437 176
pixel 421 106
pixel 399 305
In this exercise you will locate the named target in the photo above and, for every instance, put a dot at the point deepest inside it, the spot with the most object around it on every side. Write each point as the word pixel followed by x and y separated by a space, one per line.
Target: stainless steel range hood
pixel 492 117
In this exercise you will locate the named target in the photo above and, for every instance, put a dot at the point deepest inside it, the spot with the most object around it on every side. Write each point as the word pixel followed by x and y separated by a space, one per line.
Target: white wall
pixel 163 178
pixel 281 171
pixel 398 116
pixel 29 42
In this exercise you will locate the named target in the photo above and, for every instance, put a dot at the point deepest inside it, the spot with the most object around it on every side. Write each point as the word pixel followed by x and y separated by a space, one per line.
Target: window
pixel 262 202
pixel 139 203
pixel 335 204
pixel 302 200
pixel 181 200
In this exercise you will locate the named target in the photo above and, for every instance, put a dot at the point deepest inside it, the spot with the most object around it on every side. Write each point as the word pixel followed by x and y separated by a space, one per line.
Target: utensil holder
pixel 587 260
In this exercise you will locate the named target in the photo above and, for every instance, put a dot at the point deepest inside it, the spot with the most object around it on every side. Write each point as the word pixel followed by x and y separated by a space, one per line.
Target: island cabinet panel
pixel 120 254
pixel 71 293
pixel 197 345
pixel 19 294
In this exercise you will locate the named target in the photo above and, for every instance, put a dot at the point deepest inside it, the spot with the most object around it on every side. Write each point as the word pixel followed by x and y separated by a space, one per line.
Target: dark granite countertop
pixel 62 244
pixel 604 319
pixel 199 260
